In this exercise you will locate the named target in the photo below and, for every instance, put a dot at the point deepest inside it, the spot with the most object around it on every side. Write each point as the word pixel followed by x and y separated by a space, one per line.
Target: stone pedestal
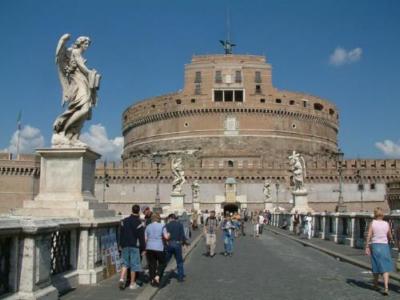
pixel 66 186
pixel 177 204
pixel 268 206
pixel 196 206
pixel 300 202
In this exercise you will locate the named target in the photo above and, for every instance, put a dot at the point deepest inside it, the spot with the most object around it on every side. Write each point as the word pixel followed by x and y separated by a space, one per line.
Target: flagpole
pixel 18 131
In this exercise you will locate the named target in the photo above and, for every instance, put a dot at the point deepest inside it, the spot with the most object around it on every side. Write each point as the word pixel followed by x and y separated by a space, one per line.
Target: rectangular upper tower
pixel 228 78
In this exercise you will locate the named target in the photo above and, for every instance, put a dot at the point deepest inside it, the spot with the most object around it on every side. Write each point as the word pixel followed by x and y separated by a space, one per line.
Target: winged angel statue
pixel 79 85
pixel 298 168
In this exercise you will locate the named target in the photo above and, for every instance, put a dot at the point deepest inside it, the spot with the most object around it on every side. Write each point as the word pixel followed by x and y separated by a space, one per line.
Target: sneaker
pixel 121 284
pixel 226 254
pixel 134 286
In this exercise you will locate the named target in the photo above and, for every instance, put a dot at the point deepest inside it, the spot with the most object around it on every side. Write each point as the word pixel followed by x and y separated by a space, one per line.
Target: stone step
pixel 64 212
pixel 65 204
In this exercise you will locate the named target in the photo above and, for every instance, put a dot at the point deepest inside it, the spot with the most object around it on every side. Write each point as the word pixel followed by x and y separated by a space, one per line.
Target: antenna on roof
pixel 227 44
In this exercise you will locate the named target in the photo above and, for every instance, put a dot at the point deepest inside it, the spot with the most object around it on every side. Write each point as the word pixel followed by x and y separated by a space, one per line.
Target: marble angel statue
pixel 179 175
pixel 79 86
pixel 195 190
pixel 267 190
pixel 298 168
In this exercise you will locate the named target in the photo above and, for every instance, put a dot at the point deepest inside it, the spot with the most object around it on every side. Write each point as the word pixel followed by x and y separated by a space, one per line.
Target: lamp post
pixel 157 206
pixel 277 195
pixel 106 181
pixel 360 186
pixel 339 158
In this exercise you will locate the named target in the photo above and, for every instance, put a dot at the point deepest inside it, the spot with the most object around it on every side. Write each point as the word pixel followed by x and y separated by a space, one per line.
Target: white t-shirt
pixel 309 220
pixel 260 219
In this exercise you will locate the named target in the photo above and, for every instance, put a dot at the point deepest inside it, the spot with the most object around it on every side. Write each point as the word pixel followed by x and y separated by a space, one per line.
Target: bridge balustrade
pixel 40 258
pixel 342 228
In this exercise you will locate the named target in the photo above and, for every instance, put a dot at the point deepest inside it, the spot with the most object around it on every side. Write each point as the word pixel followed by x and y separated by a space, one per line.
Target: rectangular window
pixel 257 78
pixel 197 79
pixel 238 96
pixel 218 77
pixel 228 96
pixel 218 96
pixel 304 103
pixel 258 89
pixel 197 90
pixel 238 77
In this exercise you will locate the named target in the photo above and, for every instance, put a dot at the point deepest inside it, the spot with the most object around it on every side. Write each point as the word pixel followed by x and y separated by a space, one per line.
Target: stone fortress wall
pixel 262 121
pixel 129 185
pixel 19 180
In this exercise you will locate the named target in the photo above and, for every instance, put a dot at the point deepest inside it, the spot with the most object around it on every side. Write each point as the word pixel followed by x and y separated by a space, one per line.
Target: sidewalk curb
pixel 149 292
pixel 343 257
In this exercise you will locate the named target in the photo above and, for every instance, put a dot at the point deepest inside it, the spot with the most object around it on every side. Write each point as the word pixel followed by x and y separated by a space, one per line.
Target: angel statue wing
pixel 62 60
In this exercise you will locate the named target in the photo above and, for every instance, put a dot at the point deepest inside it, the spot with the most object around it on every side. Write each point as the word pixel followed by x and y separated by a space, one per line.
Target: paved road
pixel 271 267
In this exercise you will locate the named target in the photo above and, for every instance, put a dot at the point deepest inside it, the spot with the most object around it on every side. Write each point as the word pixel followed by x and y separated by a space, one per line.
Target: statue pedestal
pixel 196 206
pixel 268 206
pixel 300 202
pixel 66 186
pixel 177 205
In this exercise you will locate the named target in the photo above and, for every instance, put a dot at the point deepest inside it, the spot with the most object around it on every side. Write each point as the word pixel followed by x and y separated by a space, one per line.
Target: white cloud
pixel 97 139
pixel 342 56
pixel 30 138
pixel 389 148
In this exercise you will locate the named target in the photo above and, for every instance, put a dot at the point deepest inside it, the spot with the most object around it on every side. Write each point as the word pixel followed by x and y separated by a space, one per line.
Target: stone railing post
pixel 336 224
pixel 353 230
pixel 34 256
pixel 323 230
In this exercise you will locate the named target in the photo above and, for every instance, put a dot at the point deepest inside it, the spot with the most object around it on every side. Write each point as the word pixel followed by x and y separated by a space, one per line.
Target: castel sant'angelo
pixel 234 132
pixel 241 130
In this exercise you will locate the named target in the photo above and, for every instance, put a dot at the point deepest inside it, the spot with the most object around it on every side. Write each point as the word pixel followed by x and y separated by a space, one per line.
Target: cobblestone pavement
pixel 271 267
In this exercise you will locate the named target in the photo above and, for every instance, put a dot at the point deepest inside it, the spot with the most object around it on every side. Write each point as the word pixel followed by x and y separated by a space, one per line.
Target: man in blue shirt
pixel 132 243
pixel 176 239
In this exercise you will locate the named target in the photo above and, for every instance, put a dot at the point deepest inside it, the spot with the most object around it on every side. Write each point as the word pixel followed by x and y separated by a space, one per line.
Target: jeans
pixel 175 248
pixel 228 242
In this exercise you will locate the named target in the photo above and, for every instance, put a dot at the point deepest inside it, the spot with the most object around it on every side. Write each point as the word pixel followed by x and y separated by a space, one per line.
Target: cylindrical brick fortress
pixel 229 109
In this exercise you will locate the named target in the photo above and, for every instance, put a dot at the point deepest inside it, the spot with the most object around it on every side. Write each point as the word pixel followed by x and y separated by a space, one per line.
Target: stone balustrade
pixel 40 258
pixel 343 228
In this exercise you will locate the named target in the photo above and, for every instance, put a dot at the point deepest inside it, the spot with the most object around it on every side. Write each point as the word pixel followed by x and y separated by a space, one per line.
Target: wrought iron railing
pixel 5 245
pixel 60 252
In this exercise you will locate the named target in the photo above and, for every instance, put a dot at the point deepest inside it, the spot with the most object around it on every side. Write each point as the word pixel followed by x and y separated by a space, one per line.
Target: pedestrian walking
pixel 377 246
pixel 132 242
pixel 176 240
pixel 228 235
pixel 260 223
pixel 147 215
pixel 254 222
pixel 155 235
pixel 195 217
pixel 210 231
pixel 296 222
pixel 308 225
pixel 184 220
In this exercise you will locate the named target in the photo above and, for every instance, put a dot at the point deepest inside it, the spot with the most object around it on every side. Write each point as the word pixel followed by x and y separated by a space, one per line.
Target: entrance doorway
pixel 230 208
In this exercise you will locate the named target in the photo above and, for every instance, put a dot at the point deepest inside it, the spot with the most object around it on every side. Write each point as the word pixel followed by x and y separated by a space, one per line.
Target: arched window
pixel 230 163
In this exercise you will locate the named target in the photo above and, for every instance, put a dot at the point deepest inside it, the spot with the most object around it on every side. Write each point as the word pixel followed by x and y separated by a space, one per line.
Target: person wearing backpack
pixel 210 230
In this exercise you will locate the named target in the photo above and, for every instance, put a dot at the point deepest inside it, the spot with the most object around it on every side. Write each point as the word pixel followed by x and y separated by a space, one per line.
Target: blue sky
pixel 140 47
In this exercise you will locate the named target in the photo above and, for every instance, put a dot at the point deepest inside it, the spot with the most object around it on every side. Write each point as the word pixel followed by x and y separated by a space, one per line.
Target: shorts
pixel 131 259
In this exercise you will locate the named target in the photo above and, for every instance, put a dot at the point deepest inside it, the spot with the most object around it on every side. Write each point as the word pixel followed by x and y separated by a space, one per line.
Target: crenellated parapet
pixel 23 165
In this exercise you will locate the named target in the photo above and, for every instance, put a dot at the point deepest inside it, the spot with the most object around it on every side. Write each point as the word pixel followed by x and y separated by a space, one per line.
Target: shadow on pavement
pixel 368 285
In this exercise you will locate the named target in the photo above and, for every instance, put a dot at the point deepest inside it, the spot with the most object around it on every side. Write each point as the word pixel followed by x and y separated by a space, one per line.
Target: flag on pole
pixel 19 118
